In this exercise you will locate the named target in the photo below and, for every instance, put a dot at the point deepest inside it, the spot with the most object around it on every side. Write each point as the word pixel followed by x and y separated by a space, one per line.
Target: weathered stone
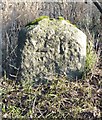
pixel 49 47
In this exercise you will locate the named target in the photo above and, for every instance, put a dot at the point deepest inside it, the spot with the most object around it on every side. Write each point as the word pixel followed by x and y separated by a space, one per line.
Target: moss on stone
pixel 49 48
pixel 60 18
pixel 52 18
pixel 71 23
pixel 47 17
pixel 37 20
pixel 68 21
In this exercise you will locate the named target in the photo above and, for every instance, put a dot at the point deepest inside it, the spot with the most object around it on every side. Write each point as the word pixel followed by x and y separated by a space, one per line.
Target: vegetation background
pixel 81 98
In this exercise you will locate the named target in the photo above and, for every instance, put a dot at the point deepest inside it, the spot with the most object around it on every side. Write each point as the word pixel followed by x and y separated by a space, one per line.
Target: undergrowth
pixel 59 98
pixel 91 57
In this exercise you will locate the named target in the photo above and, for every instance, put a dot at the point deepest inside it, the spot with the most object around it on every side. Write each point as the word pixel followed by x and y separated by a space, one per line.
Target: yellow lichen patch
pixel 37 20
pixel 60 18
pixel 68 21
pixel 71 23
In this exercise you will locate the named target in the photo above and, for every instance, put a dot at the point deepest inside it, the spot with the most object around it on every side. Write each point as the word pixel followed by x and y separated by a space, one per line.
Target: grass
pixel 91 57
pixel 59 98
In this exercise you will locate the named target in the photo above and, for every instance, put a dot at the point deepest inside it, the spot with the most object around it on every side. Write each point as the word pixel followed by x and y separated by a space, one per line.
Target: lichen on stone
pixel 60 18
pixel 37 20
pixel 53 47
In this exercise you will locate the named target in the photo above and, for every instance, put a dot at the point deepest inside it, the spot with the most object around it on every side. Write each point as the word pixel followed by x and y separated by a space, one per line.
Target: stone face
pixel 50 47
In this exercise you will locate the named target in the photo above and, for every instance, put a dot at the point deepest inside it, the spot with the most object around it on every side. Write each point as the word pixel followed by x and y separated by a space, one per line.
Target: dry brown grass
pixel 79 99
